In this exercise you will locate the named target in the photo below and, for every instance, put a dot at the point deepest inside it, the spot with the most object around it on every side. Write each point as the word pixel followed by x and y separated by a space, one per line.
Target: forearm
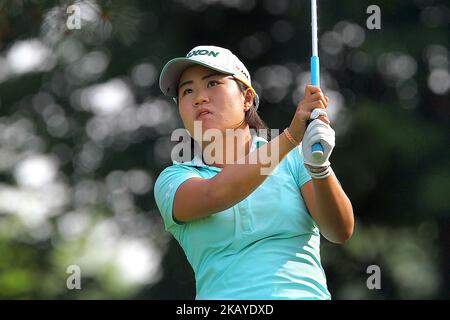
pixel 334 210
pixel 236 181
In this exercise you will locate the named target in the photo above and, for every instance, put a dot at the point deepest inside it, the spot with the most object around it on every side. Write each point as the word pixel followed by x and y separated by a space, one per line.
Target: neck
pixel 236 146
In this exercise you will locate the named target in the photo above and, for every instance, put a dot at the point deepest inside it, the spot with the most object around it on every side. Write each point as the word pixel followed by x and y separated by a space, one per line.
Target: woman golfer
pixel 249 235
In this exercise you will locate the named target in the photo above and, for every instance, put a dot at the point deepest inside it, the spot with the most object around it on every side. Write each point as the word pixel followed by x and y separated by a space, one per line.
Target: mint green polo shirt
pixel 265 247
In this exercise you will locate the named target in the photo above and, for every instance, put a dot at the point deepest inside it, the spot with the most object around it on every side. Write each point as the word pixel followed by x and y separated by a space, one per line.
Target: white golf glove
pixel 318 131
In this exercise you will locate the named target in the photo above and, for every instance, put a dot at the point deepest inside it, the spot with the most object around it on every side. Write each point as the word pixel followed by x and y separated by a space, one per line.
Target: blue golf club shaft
pixel 317 148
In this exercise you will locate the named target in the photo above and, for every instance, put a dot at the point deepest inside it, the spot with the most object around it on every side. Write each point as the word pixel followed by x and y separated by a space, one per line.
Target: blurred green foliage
pixel 85 131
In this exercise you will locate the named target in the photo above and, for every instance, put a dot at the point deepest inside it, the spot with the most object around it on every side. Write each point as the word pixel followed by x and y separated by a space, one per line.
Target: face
pixel 203 88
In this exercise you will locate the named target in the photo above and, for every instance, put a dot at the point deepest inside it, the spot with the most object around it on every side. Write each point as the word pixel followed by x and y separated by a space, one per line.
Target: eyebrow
pixel 205 77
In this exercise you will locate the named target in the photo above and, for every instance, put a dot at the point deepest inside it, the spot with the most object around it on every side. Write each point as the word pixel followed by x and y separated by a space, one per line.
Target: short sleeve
pixel 297 165
pixel 165 188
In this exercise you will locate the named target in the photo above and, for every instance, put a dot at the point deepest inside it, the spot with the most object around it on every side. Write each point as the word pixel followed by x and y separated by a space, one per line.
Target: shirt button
pixel 245 223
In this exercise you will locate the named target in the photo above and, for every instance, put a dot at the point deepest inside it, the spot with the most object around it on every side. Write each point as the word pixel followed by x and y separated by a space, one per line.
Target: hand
pixel 313 98
pixel 318 131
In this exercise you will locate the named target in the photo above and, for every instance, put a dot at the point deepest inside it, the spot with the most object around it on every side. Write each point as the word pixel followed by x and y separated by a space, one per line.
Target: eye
pixel 186 91
pixel 215 82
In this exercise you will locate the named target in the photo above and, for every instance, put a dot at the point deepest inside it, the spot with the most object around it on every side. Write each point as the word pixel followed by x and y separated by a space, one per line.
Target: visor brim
pixel 172 71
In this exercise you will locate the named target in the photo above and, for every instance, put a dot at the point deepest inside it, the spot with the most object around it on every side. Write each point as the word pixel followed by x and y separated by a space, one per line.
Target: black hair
pixel 252 117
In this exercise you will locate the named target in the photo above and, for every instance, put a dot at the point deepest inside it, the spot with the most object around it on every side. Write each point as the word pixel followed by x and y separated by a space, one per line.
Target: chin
pixel 204 125
pixel 207 125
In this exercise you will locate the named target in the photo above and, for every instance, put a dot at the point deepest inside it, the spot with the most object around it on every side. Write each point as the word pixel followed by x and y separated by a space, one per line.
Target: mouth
pixel 203 114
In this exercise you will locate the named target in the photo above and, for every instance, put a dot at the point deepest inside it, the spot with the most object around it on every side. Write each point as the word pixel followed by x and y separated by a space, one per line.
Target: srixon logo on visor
pixel 202 53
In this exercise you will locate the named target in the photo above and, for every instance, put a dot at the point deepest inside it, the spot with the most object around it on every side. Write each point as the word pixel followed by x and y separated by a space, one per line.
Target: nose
pixel 200 98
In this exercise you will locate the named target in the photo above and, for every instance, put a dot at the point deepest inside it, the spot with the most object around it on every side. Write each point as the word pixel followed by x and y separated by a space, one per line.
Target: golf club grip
pixel 317 148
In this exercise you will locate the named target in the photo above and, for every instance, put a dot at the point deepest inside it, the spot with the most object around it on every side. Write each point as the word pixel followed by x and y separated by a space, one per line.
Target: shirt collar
pixel 197 161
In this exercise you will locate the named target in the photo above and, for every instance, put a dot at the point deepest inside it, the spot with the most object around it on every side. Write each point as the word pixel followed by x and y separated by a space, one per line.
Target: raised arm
pixel 198 197
pixel 330 208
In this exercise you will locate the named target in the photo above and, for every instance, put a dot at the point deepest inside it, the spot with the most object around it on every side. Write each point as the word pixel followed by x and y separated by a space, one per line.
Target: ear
pixel 248 102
